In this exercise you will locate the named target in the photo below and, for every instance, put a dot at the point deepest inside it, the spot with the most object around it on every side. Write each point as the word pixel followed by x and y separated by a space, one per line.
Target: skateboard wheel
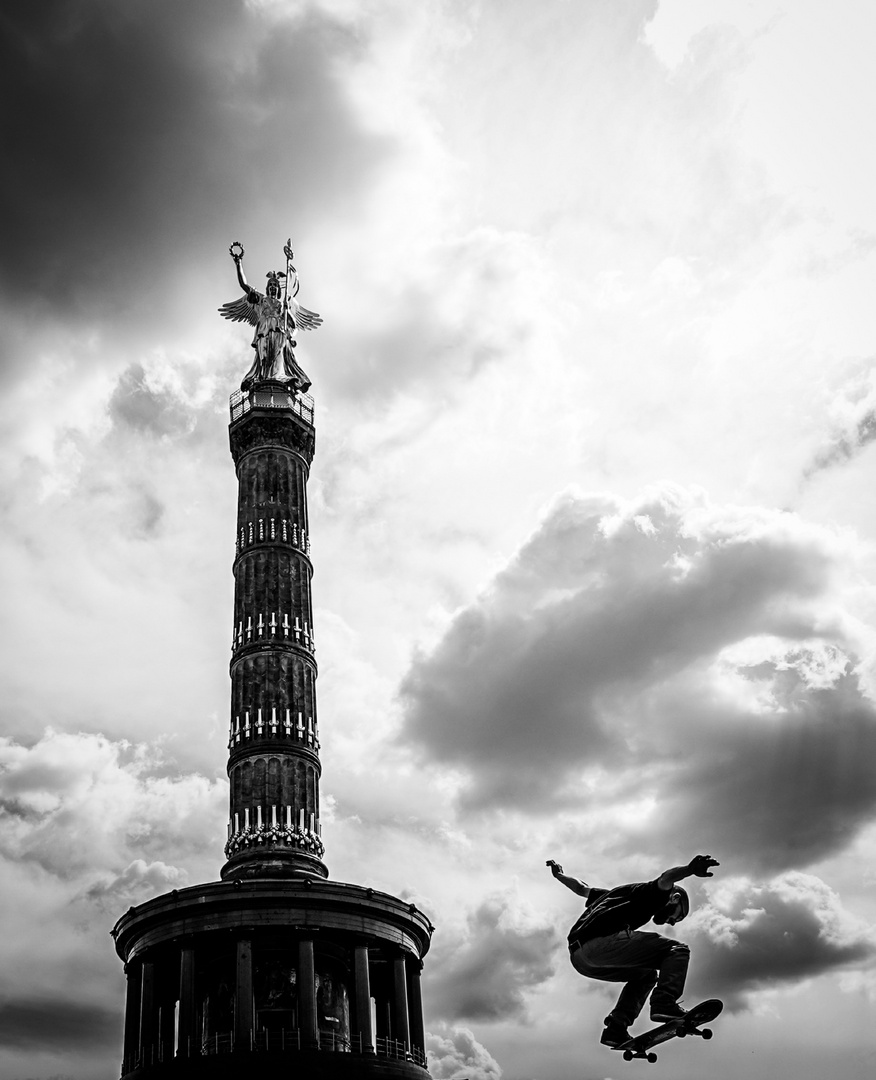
pixel 681 1033
pixel 652 1058
pixel 707 1033
pixel 628 1055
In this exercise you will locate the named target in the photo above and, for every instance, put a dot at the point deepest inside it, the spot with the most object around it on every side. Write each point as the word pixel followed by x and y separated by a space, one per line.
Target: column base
pixel 277 863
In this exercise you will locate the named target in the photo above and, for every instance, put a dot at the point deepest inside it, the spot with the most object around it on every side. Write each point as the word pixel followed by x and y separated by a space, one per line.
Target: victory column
pixel 274 960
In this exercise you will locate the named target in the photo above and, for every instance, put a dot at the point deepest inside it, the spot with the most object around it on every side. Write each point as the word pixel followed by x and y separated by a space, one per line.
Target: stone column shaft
pixel 307 995
pixel 243 1003
pixel 187 1006
pixel 132 1014
pixel 384 1025
pixel 415 1006
pixel 147 1013
pixel 167 1027
pixel 274 765
pixel 401 1027
pixel 363 998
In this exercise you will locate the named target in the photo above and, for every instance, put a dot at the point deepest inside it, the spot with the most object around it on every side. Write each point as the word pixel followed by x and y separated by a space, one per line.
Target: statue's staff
pixel 287 251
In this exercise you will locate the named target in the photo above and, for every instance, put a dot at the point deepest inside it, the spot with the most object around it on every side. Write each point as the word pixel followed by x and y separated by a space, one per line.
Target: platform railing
pixel 271 396
pixel 285 1040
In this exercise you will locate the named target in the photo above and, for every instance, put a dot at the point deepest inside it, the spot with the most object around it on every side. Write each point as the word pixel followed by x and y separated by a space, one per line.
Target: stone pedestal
pixel 288 971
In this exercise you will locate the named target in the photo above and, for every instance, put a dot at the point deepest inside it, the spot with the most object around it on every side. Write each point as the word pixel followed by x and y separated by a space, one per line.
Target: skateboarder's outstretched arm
pixel 575 884
pixel 699 866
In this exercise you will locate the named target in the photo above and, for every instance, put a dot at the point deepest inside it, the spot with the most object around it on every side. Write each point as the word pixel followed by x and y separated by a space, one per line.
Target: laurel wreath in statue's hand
pixel 236 255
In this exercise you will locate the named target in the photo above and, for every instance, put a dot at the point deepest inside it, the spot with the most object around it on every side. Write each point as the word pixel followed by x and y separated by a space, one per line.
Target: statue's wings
pixel 305 319
pixel 240 310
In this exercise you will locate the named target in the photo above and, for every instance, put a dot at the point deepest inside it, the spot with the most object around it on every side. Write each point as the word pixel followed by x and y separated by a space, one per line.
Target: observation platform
pixel 271 395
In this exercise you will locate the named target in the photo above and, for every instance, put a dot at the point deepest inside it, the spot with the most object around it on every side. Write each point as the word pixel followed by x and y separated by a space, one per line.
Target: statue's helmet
pixel 275 282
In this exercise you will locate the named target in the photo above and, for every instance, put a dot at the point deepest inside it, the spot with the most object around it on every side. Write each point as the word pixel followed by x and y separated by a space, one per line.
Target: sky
pixel 591 509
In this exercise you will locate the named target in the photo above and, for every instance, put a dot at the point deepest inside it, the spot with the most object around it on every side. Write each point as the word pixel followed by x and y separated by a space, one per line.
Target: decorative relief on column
pixel 277 430
pixel 266 834
pixel 273 723
pixel 269 626
pixel 272 530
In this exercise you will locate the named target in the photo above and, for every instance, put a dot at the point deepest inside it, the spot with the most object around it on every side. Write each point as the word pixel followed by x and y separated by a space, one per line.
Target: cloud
pixel 852 419
pixel 88 827
pixel 137 880
pixel 462 304
pixel 455 1052
pixel 752 937
pixel 667 665
pixel 485 971
pixel 58 1023
pixel 782 784
pixel 139 404
pixel 78 804
pixel 154 115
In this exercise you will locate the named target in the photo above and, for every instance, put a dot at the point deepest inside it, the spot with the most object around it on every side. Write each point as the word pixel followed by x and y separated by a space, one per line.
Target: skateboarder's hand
pixel 555 867
pixel 699 865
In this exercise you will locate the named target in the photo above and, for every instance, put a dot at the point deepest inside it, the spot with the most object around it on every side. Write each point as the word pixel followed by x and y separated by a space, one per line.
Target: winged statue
pixel 275 314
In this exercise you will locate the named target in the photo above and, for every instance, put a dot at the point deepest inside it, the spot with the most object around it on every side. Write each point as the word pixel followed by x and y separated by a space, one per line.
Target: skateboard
pixel 640 1046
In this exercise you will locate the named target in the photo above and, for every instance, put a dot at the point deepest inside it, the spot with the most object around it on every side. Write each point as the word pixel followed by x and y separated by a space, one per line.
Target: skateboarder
pixel 606 943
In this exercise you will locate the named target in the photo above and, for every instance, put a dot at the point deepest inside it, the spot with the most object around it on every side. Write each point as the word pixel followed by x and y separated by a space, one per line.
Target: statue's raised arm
pixel 275 314
pixel 237 255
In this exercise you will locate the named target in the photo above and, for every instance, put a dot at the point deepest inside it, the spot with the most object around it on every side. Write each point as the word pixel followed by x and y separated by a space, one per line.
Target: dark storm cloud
pixel 54 1024
pixel 139 135
pixel 595 673
pixel 485 974
pixel 762 936
pixel 598 602
pixel 778 790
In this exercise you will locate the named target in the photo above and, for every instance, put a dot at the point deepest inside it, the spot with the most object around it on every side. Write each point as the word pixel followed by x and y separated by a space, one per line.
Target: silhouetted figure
pixel 607 944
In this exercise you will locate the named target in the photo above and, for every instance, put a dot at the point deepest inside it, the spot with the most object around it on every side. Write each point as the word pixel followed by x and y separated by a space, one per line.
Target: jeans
pixel 643 961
